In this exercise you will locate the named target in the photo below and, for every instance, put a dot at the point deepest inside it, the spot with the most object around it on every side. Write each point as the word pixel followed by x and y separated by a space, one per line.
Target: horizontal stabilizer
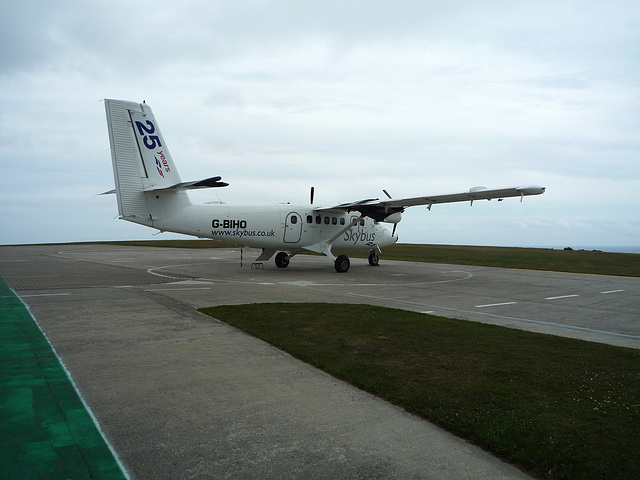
pixel 213 182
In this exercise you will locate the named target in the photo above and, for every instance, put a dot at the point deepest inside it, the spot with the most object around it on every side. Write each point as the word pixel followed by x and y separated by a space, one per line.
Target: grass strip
pixel 573 261
pixel 557 407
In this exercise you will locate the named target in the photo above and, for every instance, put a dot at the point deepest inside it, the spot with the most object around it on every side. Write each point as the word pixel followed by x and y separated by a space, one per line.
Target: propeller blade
pixel 394 229
pixel 312 193
pixel 386 193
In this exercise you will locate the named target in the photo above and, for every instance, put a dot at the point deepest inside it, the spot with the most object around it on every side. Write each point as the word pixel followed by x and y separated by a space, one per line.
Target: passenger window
pixel 362 222
pixel 318 219
pixel 309 219
pixel 334 221
pixel 294 219
pixel 326 220
pixel 342 222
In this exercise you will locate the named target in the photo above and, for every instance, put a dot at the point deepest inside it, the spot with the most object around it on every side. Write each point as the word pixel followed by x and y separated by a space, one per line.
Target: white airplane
pixel 150 192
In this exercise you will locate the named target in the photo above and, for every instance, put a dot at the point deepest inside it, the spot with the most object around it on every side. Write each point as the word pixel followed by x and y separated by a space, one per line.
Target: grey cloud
pixel 413 96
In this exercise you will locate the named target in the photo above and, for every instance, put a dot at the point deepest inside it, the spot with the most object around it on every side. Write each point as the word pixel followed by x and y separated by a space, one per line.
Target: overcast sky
pixel 352 97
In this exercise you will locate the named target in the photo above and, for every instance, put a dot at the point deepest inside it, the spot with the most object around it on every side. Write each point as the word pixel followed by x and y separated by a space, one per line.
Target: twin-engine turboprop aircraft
pixel 150 192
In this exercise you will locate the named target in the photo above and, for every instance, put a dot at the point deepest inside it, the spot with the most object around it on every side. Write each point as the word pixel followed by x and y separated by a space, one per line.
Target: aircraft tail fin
pixel 141 163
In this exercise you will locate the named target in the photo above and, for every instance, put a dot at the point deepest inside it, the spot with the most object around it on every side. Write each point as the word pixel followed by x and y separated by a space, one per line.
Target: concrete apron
pixel 180 395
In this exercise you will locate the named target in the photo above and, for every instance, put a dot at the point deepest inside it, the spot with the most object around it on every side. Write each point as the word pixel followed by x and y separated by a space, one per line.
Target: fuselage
pixel 280 226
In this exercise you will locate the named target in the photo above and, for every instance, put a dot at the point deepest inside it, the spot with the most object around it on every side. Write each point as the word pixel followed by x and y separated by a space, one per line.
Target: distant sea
pixel 602 249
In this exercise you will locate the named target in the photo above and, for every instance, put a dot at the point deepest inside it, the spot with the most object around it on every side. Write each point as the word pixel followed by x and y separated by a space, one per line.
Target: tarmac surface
pixel 180 395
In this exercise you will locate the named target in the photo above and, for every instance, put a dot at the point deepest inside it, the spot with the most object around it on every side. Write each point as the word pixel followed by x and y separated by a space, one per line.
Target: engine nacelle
pixel 393 218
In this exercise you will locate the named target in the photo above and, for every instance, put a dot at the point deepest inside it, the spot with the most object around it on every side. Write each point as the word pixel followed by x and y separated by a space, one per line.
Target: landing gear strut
pixel 374 260
pixel 342 264
pixel 282 260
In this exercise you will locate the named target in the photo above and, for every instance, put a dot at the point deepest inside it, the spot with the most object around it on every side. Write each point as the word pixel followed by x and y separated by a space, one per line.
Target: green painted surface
pixel 45 431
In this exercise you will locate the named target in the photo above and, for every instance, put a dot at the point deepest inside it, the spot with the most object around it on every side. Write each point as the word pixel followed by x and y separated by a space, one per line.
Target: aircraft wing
pixel 380 210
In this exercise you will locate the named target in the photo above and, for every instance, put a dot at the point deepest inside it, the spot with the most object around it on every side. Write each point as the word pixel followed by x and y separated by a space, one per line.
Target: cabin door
pixel 293 228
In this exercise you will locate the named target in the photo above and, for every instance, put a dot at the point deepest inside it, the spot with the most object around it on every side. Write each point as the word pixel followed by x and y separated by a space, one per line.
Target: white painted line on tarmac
pixel 496 304
pixel 180 289
pixel 613 291
pixel 151 270
pixel 562 296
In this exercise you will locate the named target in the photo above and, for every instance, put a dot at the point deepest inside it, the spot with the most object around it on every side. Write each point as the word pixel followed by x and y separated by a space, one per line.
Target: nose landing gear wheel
pixel 374 260
pixel 282 260
pixel 342 264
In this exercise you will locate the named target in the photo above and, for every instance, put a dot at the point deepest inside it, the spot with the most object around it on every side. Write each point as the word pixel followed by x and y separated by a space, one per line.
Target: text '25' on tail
pixel 141 161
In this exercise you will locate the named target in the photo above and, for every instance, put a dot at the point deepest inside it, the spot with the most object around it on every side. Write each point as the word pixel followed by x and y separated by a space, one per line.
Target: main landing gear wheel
pixel 342 264
pixel 282 260
pixel 374 260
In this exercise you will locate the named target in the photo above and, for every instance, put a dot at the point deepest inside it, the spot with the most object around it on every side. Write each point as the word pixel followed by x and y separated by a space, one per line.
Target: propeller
pixel 312 193
pixel 395 225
